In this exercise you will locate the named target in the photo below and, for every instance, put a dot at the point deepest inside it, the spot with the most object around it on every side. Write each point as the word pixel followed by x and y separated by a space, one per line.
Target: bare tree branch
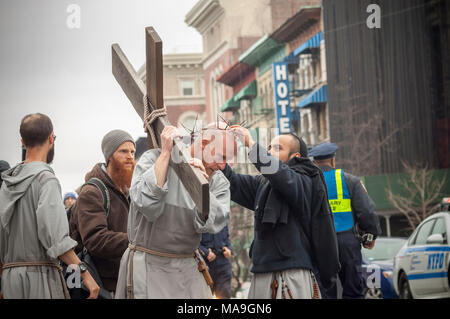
pixel 421 193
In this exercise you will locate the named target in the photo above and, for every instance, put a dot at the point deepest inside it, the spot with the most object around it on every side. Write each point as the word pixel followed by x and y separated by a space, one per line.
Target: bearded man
pixel 295 239
pixel 34 232
pixel 103 236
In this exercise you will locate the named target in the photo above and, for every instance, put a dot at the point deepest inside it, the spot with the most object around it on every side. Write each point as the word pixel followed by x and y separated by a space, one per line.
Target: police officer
pixel 355 220
pixel 216 248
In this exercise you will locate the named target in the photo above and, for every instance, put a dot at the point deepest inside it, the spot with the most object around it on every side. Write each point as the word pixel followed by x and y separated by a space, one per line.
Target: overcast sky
pixel 65 72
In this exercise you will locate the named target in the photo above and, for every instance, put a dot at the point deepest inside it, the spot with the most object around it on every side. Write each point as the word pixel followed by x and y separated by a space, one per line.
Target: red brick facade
pixel 174 111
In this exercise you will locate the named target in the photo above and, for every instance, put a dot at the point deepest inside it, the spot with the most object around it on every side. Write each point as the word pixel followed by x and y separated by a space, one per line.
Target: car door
pixel 418 260
pixel 437 255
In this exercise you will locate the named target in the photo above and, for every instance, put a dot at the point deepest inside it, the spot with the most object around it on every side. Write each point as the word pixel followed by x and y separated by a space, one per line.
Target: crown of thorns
pixel 194 133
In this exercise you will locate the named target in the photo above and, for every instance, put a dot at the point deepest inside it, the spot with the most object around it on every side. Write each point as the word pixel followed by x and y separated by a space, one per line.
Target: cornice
pixel 204 14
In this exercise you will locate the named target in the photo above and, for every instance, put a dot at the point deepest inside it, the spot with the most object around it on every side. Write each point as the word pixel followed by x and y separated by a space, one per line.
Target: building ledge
pixel 204 14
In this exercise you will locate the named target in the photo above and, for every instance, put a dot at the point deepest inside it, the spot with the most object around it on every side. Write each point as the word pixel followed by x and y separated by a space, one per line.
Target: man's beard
pixel 51 154
pixel 121 175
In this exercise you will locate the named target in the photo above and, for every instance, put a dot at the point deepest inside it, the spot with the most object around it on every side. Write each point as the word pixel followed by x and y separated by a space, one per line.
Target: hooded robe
pixel 33 228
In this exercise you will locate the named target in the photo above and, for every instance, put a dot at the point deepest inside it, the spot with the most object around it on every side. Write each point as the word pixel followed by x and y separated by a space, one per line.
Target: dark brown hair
pixel 35 129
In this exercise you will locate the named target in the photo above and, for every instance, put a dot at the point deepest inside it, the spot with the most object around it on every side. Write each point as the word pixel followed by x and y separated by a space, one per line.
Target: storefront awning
pixel 230 105
pixel 313 42
pixel 249 91
pixel 319 95
pixel 235 73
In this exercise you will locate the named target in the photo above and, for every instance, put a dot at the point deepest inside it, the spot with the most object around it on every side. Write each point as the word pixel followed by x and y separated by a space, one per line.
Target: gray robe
pixel 33 228
pixel 166 220
pixel 300 282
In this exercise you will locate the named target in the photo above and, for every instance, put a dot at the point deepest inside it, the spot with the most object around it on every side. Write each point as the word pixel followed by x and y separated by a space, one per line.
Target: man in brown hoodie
pixel 105 238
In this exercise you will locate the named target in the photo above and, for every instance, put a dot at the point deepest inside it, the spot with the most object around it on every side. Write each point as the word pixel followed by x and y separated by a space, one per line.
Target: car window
pixel 424 232
pixel 383 249
pixel 439 227
pixel 412 239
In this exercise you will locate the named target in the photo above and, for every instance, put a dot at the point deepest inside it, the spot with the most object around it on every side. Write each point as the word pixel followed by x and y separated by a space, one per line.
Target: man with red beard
pixel 105 237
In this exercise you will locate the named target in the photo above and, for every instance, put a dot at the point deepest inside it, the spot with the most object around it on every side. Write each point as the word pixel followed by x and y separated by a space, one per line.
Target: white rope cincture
pixel 150 118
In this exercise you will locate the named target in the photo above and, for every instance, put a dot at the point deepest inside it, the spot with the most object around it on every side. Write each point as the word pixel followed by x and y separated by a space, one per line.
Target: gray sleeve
pixel 363 207
pixel 219 206
pixel 52 224
pixel 145 193
pixel 2 243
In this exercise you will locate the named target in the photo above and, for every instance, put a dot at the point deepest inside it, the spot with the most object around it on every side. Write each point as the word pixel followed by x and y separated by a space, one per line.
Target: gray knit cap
pixel 113 140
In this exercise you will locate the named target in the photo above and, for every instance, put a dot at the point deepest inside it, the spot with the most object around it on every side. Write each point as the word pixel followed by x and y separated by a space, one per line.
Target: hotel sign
pixel 281 94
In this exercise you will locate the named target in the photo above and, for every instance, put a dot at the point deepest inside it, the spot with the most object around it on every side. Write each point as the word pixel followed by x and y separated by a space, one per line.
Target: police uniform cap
pixel 323 151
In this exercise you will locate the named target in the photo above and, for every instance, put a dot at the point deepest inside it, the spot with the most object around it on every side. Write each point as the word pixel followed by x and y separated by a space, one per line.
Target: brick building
pixel 229 28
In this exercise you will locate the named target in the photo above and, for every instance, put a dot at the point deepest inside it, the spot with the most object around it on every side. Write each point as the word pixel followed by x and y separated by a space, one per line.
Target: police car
pixel 421 267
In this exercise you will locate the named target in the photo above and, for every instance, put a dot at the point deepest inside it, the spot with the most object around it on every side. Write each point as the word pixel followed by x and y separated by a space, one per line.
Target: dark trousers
pixel 221 275
pixel 350 274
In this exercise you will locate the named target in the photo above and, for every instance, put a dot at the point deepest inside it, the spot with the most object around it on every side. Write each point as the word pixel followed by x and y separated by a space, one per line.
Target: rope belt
pixel 44 264
pixel 149 118
pixel 133 248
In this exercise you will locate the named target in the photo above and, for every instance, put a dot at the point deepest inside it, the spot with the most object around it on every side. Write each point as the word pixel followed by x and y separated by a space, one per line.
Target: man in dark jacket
pixel 294 232
pixel 216 248
pixel 105 238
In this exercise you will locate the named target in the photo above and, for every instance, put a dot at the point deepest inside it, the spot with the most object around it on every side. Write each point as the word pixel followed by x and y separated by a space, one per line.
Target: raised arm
pixel 242 188
pixel 162 163
pixel 149 184
pixel 281 177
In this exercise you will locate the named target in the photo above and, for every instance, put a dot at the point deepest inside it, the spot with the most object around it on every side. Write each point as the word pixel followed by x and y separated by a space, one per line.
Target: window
pixel 319 122
pixel 440 228
pixel 424 232
pixel 187 87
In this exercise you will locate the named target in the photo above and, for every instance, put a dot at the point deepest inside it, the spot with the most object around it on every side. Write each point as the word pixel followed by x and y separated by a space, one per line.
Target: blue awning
pixel 313 42
pixel 319 95
pixel 291 59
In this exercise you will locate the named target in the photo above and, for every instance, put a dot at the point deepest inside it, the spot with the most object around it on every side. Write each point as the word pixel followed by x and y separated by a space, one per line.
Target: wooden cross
pixel 192 178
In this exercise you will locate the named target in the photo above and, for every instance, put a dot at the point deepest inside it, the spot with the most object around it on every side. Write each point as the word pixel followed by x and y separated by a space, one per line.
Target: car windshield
pixel 383 249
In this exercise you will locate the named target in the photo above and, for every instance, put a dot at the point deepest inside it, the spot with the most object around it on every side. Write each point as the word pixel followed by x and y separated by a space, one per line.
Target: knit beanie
pixel 113 140
pixel 70 194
